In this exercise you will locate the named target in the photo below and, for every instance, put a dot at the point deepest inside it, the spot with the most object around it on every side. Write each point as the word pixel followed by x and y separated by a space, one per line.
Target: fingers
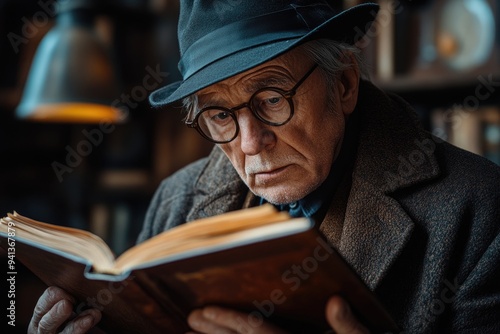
pixel 208 322
pixel 54 309
pixel 341 318
pixel 55 317
pixel 56 302
pixel 83 322
pixel 213 319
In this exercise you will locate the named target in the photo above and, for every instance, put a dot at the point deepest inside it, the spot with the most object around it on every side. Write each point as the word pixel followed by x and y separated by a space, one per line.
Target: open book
pixel 257 260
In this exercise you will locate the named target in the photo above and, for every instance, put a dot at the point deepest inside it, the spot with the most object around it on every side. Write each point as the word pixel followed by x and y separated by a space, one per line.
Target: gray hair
pixel 332 58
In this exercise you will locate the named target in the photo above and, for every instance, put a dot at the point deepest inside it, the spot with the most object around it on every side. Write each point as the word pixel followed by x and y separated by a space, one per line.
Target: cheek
pixel 327 147
pixel 332 132
pixel 235 155
pixel 318 137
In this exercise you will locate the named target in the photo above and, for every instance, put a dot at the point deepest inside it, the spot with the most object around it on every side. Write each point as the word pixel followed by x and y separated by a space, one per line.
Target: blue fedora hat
pixel 219 42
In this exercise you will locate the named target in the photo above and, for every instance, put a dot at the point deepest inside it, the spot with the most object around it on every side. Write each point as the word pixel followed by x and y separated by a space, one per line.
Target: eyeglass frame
pixel 288 95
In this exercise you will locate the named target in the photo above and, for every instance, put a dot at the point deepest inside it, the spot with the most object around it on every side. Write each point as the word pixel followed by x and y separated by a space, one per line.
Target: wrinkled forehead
pixel 286 68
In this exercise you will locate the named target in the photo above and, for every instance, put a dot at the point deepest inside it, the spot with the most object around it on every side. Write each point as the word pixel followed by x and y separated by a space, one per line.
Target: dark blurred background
pixel 442 56
pixel 106 186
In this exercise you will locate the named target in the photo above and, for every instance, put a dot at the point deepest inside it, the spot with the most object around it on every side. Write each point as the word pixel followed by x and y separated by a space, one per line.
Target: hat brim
pixel 348 26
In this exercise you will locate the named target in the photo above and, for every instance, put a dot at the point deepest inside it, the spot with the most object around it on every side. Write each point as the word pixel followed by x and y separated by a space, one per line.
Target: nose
pixel 255 136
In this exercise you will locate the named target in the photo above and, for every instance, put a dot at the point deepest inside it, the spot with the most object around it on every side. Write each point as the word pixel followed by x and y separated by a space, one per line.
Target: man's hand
pixel 213 319
pixel 55 309
pixel 340 317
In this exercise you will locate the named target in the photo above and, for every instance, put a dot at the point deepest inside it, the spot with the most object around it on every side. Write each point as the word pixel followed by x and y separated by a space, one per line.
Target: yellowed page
pixel 190 236
pixel 74 241
pixel 204 228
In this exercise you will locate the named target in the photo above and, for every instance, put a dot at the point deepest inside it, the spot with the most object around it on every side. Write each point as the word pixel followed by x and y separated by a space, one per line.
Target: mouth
pixel 266 176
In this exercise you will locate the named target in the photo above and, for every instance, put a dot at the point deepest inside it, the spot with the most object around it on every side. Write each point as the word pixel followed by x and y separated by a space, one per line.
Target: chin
pixel 282 196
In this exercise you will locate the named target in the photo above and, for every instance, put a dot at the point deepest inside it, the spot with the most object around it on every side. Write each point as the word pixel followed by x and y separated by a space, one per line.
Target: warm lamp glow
pixel 72 78
pixel 76 113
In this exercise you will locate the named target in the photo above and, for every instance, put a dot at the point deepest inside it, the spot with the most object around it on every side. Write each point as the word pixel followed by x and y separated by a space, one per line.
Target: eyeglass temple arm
pixel 304 77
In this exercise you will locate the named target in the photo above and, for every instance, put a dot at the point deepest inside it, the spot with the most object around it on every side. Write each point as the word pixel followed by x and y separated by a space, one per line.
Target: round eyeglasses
pixel 270 105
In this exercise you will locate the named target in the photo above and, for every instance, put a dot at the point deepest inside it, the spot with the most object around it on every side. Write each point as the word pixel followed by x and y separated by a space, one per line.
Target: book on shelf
pixel 491 134
pixel 475 130
pixel 259 261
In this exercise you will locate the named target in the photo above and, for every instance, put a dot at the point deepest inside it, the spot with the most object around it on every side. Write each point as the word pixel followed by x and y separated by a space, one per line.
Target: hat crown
pixel 198 18
pixel 221 38
pixel 209 31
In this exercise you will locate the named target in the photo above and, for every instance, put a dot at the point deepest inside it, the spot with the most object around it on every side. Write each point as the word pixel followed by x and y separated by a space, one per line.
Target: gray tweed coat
pixel 420 221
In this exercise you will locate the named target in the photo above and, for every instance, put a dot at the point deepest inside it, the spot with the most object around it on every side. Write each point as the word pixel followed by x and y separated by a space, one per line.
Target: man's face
pixel 284 163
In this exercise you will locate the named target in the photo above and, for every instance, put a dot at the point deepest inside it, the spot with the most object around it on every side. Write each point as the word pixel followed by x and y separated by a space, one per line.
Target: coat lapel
pixel 375 227
pixel 375 231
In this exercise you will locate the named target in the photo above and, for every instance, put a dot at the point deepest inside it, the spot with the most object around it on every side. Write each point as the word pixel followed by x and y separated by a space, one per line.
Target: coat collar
pixel 393 153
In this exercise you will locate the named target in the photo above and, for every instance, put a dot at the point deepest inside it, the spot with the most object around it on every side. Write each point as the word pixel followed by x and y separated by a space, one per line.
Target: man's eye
pixel 218 116
pixel 268 101
pixel 221 116
pixel 274 100
pixel 273 103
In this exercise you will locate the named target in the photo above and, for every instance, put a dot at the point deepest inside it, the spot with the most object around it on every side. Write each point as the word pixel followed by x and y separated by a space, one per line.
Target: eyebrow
pixel 253 85
pixel 270 81
pixel 208 103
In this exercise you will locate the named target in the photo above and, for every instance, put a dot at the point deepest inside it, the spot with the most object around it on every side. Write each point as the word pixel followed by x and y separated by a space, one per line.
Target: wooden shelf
pixel 442 90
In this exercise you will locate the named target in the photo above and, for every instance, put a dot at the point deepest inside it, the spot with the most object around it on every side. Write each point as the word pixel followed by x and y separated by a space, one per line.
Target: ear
pixel 348 86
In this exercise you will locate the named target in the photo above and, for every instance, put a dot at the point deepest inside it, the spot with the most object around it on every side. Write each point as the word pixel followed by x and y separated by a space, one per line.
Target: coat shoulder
pixel 471 174
pixel 171 200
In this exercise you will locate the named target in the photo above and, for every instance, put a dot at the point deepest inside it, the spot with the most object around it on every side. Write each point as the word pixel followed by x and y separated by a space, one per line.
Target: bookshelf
pixel 443 57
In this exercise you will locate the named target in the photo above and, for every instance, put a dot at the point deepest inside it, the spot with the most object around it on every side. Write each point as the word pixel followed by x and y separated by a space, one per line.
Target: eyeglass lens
pixel 269 105
pixel 272 106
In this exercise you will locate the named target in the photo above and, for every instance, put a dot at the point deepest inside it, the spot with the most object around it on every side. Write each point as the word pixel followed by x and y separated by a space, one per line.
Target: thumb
pixel 341 318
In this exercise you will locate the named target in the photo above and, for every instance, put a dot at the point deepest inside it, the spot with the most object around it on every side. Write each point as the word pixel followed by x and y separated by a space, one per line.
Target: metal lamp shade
pixel 72 77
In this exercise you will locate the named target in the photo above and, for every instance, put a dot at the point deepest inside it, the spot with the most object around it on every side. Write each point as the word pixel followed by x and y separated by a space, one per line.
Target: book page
pixel 66 239
pixel 157 251
pixel 235 226
pixel 194 234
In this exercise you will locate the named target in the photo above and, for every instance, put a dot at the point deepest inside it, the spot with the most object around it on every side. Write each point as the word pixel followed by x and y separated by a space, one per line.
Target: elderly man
pixel 278 87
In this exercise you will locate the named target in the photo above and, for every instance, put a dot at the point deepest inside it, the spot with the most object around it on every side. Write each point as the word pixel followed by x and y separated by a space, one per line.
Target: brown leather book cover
pixel 258 261
pixel 285 278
